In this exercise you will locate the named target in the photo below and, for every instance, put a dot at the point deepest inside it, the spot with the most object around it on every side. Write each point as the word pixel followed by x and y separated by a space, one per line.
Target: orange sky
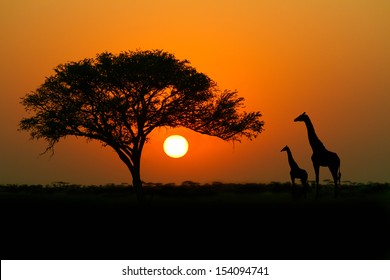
pixel 328 58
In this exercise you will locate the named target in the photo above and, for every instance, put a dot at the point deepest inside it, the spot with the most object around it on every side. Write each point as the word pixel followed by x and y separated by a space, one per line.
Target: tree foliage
pixel 120 99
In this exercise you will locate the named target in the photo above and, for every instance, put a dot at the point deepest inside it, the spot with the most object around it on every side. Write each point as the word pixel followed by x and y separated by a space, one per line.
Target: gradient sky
pixel 328 58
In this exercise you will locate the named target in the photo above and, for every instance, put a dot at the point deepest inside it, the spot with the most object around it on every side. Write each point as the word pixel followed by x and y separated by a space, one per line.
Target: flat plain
pixel 196 221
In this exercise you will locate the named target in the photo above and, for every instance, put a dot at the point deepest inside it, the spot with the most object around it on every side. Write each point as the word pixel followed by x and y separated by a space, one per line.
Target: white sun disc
pixel 175 146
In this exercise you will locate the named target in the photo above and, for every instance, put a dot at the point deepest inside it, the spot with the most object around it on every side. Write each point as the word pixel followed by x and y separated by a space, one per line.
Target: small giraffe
pixel 295 170
pixel 321 156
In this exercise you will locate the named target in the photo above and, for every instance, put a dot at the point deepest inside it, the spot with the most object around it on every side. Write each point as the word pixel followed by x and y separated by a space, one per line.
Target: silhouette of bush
pixel 188 193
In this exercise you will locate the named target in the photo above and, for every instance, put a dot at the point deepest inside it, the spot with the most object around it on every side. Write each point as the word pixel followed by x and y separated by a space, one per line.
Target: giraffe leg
pixel 305 184
pixel 334 171
pixel 292 185
pixel 317 171
pixel 305 187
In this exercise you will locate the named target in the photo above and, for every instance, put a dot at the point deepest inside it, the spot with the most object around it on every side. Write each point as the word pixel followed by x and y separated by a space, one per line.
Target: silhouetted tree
pixel 120 99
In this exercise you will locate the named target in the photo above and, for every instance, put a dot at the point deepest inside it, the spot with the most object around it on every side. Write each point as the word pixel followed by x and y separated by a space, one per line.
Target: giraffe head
pixel 301 118
pixel 285 149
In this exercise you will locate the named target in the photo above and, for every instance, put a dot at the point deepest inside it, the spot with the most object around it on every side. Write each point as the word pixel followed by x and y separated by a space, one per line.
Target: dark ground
pixel 218 221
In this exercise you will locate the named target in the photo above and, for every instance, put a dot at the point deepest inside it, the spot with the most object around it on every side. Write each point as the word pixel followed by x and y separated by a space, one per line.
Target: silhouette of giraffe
pixel 295 170
pixel 321 156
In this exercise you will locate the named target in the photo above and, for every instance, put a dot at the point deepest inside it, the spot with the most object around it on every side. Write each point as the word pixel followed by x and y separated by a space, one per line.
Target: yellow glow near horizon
pixel 175 146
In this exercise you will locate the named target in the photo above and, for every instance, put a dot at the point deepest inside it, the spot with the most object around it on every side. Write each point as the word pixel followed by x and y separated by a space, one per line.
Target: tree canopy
pixel 120 99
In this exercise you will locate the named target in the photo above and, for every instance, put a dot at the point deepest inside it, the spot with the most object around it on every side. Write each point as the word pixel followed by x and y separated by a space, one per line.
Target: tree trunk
pixel 136 174
pixel 137 183
pixel 133 163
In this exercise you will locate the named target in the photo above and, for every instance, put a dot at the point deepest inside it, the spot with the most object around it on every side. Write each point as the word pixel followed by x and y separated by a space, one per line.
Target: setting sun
pixel 175 146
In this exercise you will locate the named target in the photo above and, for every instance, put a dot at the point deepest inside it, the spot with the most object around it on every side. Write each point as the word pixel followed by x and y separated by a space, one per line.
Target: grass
pixel 194 194
pixel 216 220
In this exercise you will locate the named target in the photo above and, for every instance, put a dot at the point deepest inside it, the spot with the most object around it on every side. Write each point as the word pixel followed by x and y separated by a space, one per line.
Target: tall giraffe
pixel 321 156
pixel 295 170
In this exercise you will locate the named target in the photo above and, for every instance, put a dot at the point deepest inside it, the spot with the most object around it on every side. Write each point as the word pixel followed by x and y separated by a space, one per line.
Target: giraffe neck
pixel 315 143
pixel 291 160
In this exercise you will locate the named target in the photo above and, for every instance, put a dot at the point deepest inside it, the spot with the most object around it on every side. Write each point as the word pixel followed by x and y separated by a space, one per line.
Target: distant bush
pixel 190 188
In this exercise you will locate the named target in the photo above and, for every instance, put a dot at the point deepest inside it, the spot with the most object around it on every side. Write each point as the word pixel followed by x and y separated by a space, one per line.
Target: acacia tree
pixel 120 99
